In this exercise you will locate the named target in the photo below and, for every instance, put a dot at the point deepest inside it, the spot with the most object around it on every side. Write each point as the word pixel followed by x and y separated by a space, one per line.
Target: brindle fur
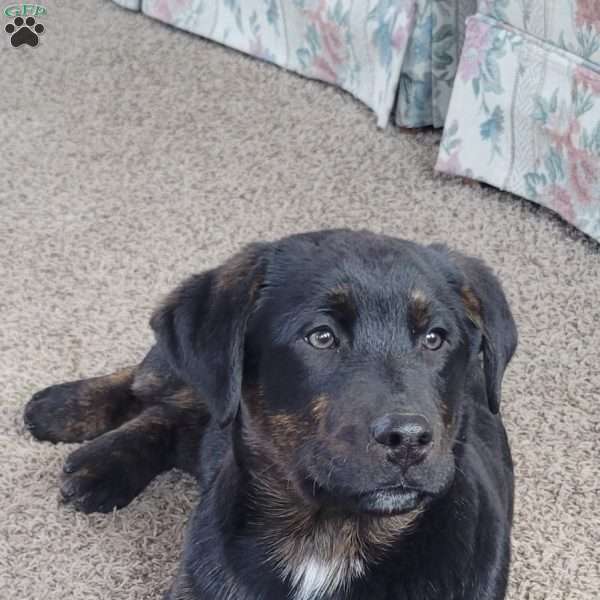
pixel 283 453
pixel 141 421
pixel 82 410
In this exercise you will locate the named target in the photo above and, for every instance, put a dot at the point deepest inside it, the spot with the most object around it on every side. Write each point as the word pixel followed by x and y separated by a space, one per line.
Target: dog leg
pixel 82 410
pixel 111 470
pixel 141 421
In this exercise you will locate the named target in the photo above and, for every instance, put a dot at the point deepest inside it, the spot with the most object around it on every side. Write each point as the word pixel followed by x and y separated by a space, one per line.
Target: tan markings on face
pixel 318 407
pixel 304 541
pixel 340 299
pixel 253 416
pixel 283 428
pixel 287 430
pixel 274 434
pixel 472 306
pixel 254 402
pixel 418 309
pixel 300 536
pixel 447 416
pixel 382 532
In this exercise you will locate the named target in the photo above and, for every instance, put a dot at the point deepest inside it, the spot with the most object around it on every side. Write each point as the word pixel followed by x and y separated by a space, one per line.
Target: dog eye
pixel 434 339
pixel 321 338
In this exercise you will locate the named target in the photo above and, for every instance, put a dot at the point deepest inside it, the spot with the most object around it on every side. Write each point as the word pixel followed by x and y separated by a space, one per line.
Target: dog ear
pixel 200 328
pixel 487 307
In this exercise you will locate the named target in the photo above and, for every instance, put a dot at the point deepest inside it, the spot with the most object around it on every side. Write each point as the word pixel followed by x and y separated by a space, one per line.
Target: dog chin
pixel 391 501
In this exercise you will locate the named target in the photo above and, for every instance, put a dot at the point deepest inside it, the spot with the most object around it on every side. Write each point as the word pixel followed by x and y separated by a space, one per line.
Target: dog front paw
pixel 100 476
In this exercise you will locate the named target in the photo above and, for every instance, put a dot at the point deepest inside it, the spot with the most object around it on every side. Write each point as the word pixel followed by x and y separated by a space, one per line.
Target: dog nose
pixel 407 436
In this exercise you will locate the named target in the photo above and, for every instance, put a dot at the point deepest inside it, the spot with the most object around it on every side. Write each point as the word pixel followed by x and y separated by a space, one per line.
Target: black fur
pixel 280 433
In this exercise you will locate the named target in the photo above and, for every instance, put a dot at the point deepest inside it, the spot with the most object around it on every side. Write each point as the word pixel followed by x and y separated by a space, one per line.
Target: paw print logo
pixel 24 32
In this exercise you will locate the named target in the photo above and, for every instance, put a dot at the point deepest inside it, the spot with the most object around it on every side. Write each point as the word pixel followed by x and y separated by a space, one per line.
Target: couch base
pixel 525 117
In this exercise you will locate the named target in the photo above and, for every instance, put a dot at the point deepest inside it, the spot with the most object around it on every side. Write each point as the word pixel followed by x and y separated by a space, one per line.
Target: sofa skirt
pixel 525 117
pixel 399 57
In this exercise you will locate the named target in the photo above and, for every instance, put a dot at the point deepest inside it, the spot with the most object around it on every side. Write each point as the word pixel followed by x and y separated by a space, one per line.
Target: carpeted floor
pixel 133 155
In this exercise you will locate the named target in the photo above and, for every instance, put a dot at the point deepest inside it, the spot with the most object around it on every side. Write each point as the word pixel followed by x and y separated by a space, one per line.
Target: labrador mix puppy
pixel 336 394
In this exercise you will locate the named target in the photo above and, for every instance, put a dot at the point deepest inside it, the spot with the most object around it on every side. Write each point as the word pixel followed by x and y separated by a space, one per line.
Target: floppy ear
pixel 487 307
pixel 200 328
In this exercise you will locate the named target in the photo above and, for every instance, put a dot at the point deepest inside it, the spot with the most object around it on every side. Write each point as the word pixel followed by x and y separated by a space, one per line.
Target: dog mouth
pixel 390 501
pixel 383 501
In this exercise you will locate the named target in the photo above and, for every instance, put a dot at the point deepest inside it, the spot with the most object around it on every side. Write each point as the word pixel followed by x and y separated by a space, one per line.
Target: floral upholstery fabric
pixel 522 112
pixel 366 48
pixel 525 109
pixel 573 25
pixel 431 61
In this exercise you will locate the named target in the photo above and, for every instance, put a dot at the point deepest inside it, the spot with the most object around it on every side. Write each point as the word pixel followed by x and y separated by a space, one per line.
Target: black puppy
pixel 336 394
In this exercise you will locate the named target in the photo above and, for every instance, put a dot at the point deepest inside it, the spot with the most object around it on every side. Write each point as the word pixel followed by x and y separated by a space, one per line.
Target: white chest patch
pixel 313 578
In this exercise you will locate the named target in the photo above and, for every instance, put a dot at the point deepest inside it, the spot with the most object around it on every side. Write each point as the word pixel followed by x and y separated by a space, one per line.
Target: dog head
pixel 345 358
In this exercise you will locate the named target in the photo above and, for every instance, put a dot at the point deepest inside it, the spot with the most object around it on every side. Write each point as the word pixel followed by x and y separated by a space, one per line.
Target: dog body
pixel 458 548
pixel 336 394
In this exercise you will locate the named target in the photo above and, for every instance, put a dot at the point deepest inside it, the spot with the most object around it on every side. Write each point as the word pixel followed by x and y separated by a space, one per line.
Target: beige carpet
pixel 133 155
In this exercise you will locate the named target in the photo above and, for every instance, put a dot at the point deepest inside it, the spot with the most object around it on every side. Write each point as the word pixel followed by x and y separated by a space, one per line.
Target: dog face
pixel 346 357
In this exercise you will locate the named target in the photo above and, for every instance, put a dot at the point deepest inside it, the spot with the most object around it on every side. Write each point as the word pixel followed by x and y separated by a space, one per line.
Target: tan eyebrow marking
pixel 319 406
pixel 418 309
pixel 340 300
